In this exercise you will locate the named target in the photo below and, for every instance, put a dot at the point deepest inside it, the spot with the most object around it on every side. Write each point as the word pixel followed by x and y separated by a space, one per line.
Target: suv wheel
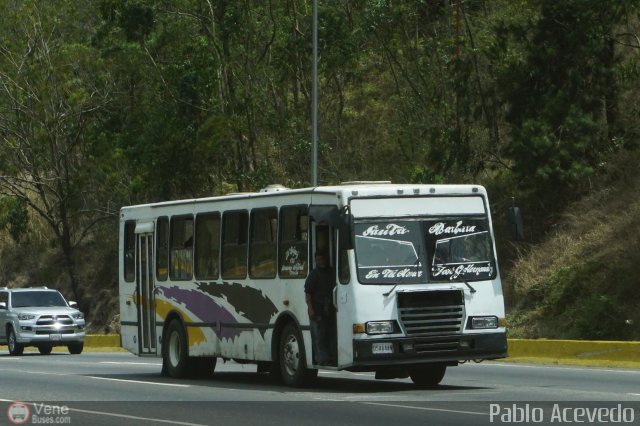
pixel 75 348
pixel 14 347
pixel 45 349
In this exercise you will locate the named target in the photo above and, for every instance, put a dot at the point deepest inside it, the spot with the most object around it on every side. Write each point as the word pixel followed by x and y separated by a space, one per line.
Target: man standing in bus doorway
pixel 318 290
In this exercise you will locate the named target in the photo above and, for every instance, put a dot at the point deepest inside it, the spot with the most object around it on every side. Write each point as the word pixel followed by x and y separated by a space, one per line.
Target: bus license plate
pixel 55 337
pixel 382 348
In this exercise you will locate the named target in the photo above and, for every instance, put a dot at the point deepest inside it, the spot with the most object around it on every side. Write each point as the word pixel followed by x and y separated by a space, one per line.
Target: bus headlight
pixel 380 327
pixel 484 322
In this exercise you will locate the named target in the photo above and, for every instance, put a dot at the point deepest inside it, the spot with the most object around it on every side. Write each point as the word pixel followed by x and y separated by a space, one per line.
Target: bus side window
pixel 181 248
pixel 162 248
pixel 263 243
pixel 234 245
pixel 207 246
pixel 293 259
pixel 129 251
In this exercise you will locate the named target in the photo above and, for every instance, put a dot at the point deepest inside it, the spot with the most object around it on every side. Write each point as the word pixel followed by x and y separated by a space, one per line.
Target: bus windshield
pixel 419 251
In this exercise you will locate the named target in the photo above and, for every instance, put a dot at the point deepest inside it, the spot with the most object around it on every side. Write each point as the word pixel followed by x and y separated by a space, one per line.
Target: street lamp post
pixel 314 100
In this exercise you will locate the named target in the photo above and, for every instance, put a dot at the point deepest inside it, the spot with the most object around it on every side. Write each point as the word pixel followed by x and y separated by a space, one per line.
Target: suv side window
pixel 4 297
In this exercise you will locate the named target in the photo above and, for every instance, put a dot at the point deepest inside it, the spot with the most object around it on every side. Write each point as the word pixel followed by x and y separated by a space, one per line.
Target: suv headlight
pixel 26 317
pixel 78 315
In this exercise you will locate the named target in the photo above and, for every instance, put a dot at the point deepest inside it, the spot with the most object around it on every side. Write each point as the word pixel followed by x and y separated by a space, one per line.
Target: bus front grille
pixel 431 313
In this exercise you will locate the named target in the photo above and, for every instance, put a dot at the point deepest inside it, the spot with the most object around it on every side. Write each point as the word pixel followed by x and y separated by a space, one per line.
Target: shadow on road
pixel 265 382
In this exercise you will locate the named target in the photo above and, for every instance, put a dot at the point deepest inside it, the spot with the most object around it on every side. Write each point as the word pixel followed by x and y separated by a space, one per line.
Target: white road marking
pixel 122 416
pixel 46 373
pixel 578 368
pixel 634 394
pixel 126 416
pixel 155 364
pixel 477 413
pixel 140 382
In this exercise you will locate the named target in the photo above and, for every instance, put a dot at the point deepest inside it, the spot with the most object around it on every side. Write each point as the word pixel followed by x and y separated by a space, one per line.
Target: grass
pixel 582 281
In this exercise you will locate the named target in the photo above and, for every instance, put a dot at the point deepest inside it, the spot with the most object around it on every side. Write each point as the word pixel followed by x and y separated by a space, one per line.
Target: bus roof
pixel 344 191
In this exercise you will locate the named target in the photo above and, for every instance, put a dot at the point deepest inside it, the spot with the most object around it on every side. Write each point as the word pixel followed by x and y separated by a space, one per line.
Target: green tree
pixel 562 92
pixel 53 93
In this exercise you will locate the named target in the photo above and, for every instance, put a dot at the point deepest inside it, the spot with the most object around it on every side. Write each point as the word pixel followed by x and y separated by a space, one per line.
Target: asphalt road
pixel 119 388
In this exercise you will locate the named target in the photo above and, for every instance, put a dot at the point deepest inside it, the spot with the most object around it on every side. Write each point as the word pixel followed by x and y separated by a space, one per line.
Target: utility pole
pixel 314 100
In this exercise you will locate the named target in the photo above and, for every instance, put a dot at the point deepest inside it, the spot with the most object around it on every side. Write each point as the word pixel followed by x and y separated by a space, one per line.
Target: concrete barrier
pixel 102 341
pixel 580 352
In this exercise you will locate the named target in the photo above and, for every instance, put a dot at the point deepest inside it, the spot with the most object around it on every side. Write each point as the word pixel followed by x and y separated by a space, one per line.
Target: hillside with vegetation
pixel 118 102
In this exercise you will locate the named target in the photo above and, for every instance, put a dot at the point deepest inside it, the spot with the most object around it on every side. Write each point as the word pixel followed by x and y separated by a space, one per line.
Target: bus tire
pixel 427 375
pixel 175 350
pixel 293 364
pixel 15 348
pixel 201 367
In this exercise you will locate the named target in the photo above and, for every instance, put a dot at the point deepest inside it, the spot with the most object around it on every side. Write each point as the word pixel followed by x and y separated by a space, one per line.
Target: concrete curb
pixel 578 352
pixel 102 341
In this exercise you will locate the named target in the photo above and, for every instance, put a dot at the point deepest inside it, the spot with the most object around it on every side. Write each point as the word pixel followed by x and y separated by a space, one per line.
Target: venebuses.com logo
pixel 18 413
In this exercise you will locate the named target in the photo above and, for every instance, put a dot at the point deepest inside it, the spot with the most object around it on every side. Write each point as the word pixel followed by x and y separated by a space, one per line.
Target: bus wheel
pixel 15 348
pixel 428 375
pixel 175 350
pixel 201 367
pixel 293 365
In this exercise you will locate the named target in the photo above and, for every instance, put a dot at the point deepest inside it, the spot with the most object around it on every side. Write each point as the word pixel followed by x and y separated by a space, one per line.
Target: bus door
pixel 324 240
pixel 343 304
pixel 145 288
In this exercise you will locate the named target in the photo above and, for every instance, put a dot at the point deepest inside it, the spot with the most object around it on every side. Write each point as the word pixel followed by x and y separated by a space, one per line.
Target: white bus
pixel 417 282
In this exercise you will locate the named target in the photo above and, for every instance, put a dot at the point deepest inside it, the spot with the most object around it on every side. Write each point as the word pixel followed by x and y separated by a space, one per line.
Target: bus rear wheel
pixel 293 364
pixel 428 375
pixel 175 351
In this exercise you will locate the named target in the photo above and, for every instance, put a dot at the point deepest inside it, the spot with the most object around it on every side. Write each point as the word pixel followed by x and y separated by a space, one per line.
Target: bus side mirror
pixel 515 224
pixel 345 227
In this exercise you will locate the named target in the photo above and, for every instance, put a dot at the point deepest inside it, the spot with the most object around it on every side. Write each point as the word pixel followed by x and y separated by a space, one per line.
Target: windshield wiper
pixel 415 265
pixel 473 290
pixel 391 291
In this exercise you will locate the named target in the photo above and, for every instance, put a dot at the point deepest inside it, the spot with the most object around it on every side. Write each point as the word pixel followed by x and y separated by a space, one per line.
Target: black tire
pixel 293 364
pixel 201 367
pixel 15 348
pixel 75 348
pixel 175 350
pixel 45 349
pixel 428 376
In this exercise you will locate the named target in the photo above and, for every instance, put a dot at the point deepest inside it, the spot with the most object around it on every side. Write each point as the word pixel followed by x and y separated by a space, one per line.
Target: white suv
pixel 40 317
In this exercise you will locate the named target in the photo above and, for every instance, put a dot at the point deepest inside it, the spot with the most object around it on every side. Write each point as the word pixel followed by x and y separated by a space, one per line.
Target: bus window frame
pixel 252 214
pixel 307 242
pixel 129 235
pixel 198 217
pixel 222 245
pixel 172 219
pixel 165 220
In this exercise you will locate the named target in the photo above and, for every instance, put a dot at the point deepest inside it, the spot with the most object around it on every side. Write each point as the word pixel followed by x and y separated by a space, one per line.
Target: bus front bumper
pixel 415 350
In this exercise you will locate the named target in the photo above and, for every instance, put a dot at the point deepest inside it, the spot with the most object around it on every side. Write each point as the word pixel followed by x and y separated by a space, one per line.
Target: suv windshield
pixel 454 249
pixel 28 299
